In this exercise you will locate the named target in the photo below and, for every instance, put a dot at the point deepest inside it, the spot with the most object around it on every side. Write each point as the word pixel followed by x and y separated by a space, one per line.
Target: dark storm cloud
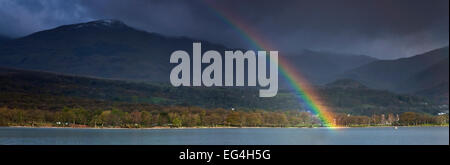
pixel 380 28
pixel 21 17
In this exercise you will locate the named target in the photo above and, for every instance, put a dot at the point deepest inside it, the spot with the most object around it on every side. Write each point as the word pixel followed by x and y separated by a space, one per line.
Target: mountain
pixel 438 93
pixel 50 91
pixel 430 77
pixel 103 48
pixel 4 39
pixel 405 75
pixel 324 67
pixel 31 90
pixel 110 49
pixel 433 82
pixel 352 97
pixel 346 83
pixel 114 50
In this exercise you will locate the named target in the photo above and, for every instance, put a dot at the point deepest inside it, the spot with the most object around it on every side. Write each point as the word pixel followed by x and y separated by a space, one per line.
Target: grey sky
pixel 379 28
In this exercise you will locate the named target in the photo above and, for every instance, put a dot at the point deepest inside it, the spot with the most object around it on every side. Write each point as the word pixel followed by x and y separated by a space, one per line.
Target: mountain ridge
pixel 98 50
pixel 325 67
pixel 29 89
pixel 112 49
pixel 393 74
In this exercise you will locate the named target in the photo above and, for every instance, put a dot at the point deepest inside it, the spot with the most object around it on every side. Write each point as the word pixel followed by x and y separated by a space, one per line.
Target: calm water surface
pixel 225 136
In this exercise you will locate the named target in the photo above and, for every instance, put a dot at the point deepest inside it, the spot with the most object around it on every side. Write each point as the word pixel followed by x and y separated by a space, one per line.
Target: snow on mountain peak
pixel 102 23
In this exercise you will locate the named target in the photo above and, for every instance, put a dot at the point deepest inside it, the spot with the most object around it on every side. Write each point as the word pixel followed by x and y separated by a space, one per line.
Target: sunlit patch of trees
pixel 178 116
pixel 173 116
pixel 403 119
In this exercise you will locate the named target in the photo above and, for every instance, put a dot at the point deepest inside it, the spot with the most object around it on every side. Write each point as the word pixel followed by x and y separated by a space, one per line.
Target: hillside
pixel 44 85
pixel 325 67
pixel 4 39
pixel 439 93
pixel 432 77
pixel 111 49
pixel 106 63
pixel 350 96
pixel 50 91
pixel 104 48
pixel 406 75
pixel 346 83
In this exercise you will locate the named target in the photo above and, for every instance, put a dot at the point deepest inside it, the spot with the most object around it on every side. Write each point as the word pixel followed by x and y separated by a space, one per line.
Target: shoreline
pixel 156 128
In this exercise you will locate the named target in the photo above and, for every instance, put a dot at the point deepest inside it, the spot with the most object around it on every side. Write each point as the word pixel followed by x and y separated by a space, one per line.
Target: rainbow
pixel 296 81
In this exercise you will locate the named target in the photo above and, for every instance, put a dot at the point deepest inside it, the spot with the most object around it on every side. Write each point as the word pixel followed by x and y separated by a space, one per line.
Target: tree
pixel 441 119
pixel 202 117
pixel 281 119
pixel 116 117
pixel 136 117
pixel 408 118
pixel 305 118
pixel 69 115
pixel 104 118
pixel 146 118
pixel 234 119
pixel 253 119
pixel 213 119
pixel 81 115
pixel 176 122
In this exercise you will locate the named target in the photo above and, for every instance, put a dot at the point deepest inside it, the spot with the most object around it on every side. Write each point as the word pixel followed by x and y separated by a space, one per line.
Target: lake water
pixel 228 136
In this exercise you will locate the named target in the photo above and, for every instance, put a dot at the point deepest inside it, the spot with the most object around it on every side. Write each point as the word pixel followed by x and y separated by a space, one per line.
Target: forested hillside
pixel 49 91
